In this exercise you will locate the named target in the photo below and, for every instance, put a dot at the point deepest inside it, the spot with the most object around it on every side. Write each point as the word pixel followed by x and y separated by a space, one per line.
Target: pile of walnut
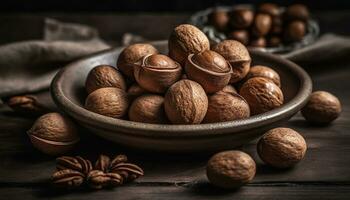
pixel 73 172
pixel 191 85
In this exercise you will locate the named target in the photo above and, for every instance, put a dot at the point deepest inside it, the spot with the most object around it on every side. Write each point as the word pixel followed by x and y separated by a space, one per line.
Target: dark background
pixel 147 5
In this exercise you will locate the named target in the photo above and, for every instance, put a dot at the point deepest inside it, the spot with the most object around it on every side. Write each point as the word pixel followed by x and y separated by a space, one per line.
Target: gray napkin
pixel 29 66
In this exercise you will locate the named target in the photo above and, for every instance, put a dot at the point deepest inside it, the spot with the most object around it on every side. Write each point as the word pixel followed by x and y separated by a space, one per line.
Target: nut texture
pixel 230 169
pixel 156 73
pixel 186 102
pixel 104 76
pixel 53 134
pixel 209 69
pixel 281 147
pixel 322 107
pixel 225 106
pixel 186 39
pixel 148 109
pixel 111 102
pixel 265 72
pixel 132 54
pixel 229 89
pixel 261 94
pixel 238 57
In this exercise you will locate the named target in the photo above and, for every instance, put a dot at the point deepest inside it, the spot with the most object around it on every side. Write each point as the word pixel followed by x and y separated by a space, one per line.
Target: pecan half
pixel 74 163
pixel 67 178
pixel 102 163
pixel 129 171
pixel 98 179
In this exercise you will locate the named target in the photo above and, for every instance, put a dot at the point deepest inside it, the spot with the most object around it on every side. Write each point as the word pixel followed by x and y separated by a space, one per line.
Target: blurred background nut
pixel 219 19
pixel 157 72
pixel 295 31
pixel 241 36
pixel 258 42
pixel 297 12
pixel 111 102
pixel 132 54
pixel 230 169
pixel 186 102
pixel 148 109
pixel 209 69
pixel 26 104
pixel 265 72
pixel 241 18
pixel 322 107
pixel 104 76
pixel 185 40
pixel 281 147
pixel 226 106
pixel 261 25
pixel 238 57
pixel 270 8
pixel 261 94
pixel 53 134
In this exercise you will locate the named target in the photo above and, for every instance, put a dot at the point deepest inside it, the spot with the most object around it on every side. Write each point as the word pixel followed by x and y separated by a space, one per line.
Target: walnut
pixel 265 72
pixel 186 102
pixel 53 134
pixel 185 40
pixel 230 169
pixel 281 147
pixel 322 108
pixel 111 102
pixel 261 94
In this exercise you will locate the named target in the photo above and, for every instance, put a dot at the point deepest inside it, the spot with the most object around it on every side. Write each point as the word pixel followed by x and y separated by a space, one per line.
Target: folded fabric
pixel 29 66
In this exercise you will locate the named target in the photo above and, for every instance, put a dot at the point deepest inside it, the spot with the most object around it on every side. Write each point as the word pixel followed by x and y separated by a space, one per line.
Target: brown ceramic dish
pixel 68 92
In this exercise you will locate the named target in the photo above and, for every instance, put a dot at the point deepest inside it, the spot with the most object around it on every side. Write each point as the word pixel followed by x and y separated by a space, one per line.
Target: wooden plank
pixel 200 191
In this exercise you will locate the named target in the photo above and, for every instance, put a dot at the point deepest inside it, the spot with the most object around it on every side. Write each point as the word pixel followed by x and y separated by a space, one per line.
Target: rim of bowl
pixel 170 130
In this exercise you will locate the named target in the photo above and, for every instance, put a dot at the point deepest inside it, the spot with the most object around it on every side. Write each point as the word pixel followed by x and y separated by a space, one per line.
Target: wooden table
pixel 323 174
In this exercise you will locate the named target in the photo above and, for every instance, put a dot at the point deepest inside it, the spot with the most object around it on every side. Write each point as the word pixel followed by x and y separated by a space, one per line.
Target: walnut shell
pixel 156 73
pixel 132 54
pixel 185 40
pixel 186 102
pixel 229 89
pixel 148 108
pixel 238 57
pixel 223 106
pixel 209 69
pixel 104 76
pixel 135 90
pixel 53 134
pixel 111 102
pixel 265 72
pixel 230 169
pixel 281 147
pixel 322 107
pixel 261 94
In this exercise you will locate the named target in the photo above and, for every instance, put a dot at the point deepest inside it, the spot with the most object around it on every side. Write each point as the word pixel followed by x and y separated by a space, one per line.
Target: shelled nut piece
pixel 156 73
pixel 132 54
pixel 265 72
pixel 226 106
pixel 209 69
pixel 261 94
pixel 111 102
pixel 67 178
pixel 230 169
pixel 281 147
pixel 186 39
pixel 186 102
pixel 238 57
pixel 148 108
pixel 53 134
pixel 322 108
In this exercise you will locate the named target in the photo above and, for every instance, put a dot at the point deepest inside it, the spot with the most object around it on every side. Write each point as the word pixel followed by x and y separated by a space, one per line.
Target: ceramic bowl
pixel 68 92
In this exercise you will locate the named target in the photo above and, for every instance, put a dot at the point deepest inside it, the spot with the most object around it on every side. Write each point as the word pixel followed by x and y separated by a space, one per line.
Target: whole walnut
pixel 104 76
pixel 265 72
pixel 53 134
pixel 226 106
pixel 230 169
pixel 185 40
pixel 209 69
pixel 111 102
pixel 238 57
pixel 281 147
pixel 186 102
pixel 157 72
pixel 322 108
pixel 261 94
pixel 132 54
pixel 148 108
